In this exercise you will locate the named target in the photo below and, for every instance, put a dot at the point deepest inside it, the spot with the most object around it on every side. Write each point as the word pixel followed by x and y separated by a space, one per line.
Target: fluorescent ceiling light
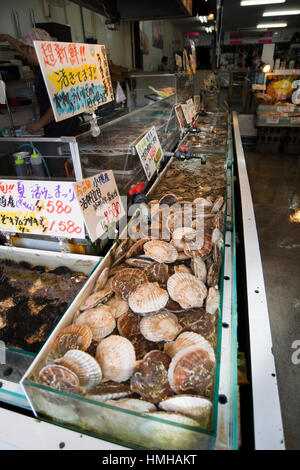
pixel 281 12
pixel 272 25
pixel 248 3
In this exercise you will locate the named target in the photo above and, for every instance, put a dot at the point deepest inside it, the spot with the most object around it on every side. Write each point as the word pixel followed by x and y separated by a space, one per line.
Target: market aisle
pixel 275 187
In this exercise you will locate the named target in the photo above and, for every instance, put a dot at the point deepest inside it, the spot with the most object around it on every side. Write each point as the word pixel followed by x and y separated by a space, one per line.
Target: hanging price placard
pixel 76 76
pixel 100 202
pixel 40 208
pixel 150 152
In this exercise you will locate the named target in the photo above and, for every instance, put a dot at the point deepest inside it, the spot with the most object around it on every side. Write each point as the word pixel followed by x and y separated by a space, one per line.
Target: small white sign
pixel 272 119
pixel 40 208
pixel 285 109
pixel 295 120
pixel 150 152
pixel 100 202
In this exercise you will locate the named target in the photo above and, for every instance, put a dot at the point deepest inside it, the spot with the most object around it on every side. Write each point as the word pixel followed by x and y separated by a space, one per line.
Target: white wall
pixel 170 33
pixel 118 43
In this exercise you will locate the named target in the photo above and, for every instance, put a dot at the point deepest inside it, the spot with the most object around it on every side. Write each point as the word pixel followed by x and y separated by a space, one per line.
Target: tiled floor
pixel 275 187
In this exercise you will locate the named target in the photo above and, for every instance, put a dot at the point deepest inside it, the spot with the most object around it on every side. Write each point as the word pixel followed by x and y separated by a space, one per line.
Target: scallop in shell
pixel 127 280
pixel 199 268
pixel 212 300
pixel 101 321
pixel 157 272
pixel 128 324
pixel 84 366
pixel 72 337
pixel 180 235
pixel 119 306
pixel 148 297
pixel 162 326
pixel 213 274
pixel 182 268
pixel 160 251
pixel 99 297
pixel 60 378
pixel 136 248
pixel 191 371
pixel 198 408
pixel 198 321
pixel 142 345
pixel 187 290
pixel 217 204
pixel 203 202
pixel 168 199
pixel 150 377
pixel 187 339
pixel 102 280
pixel 116 357
pixel 109 391
pixel 134 404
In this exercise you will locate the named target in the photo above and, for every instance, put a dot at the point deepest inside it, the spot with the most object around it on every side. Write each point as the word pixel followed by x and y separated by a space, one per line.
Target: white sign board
pixel 76 76
pixel 187 113
pixel 40 208
pixel 100 202
pixel 150 152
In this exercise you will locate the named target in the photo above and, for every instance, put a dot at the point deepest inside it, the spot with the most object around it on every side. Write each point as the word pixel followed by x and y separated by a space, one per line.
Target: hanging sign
pixel 100 202
pixel 178 59
pixel 150 152
pixel 76 76
pixel 187 113
pixel 191 107
pixel 40 208
pixel 197 103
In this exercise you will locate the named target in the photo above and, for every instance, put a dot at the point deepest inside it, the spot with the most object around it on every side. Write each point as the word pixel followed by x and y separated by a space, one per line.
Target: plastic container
pixel 37 164
pixel 25 158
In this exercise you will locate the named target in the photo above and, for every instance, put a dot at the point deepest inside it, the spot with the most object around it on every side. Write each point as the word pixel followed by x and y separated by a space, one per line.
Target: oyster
pixel 160 251
pixel 99 297
pixel 60 378
pixel 128 324
pixel 195 407
pixel 198 321
pixel 127 281
pixel 118 306
pixel 84 366
pixel 150 377
pixel 199 268
pixel 191 371
pixel 157 272
pixel 109 391
pixel 212 301
pixel 101 321
pixel 187 290
pixel 116 357
pixel 148 297
pixel 187 339
pixel 72 337
pixel 162 326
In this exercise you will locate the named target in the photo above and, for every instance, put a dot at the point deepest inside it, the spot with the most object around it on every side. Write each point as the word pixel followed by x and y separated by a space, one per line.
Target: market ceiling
pixel 237 17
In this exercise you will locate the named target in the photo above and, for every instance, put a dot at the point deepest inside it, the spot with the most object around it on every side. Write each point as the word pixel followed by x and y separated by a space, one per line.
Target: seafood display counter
pixel 148 367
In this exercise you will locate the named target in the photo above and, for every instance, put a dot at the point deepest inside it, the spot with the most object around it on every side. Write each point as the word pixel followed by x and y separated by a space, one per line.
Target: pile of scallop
pixel 145 337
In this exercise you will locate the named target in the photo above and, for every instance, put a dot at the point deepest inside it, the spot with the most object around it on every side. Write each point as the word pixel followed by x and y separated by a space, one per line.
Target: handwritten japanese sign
pixel 40 208
pixel 180 117
pixel 76 76
pixel 100 202
pixel 187 113
pixel 150 152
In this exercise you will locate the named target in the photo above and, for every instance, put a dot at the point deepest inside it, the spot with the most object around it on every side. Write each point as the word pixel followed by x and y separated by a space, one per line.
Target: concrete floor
pixel 275 187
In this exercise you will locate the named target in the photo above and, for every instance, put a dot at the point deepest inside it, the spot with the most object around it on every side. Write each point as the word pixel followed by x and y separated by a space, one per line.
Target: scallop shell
pixel 120 250
pixel 180 235
pixel 102 280
pixel 168 199
pixel 150 377
pixel 198 321
pixel 127 281
pixel 216 236
pixel 60 378
pixel 119 306
pixel 128 324
pixel 109 391
pixel 191 371
pixel 136 248
pixel 142 346
pixel 72 337
pixel 199 268
pixel 148 297
pixel 203 202
pixel 195 407
pixel 116 357
pixel 187 339
pixel 157 272
pixel 101 321
pixel 217 204
pixel 139 262
pixel 187 290
pixel 213 275
pixel 160 251
pixel 162 326
pixel 173 307
pixel 182 268
pixel 84 366
pixel 134 404
pixel 212 301
pixel 191 249
pixel 95 299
